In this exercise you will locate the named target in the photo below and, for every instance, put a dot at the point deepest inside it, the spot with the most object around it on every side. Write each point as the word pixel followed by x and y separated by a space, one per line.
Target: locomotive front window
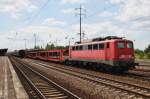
pixel 120 45
pixel 129 45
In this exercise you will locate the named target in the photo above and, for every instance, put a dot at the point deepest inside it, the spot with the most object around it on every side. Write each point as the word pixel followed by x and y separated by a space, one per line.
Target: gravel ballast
pixel 81 87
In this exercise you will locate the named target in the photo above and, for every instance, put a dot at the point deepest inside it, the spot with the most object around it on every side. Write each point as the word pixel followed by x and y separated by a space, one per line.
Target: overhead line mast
pixel 35 40
pixel 81 9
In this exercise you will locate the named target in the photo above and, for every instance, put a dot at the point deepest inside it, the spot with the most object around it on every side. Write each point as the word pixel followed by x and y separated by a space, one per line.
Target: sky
pixel 57 21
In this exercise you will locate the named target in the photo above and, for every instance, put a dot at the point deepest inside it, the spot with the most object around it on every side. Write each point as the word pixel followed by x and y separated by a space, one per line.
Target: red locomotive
pixel 110 53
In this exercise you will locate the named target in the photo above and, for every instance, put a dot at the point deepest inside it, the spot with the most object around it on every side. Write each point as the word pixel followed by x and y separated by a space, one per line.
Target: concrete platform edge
pixel 19 89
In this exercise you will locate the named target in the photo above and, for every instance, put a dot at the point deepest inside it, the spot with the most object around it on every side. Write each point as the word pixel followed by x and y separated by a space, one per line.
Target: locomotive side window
pixel 77 48
pixel 129 45
pixel 89 47
pixel 107 45
pixel 57 53
pixel 73 48
pixel 54 53
pixel 95 46
pixel 80 47
pixel 50 53
pixel 101 46
pixel 43 54
pixel 85 47
pixel 120 45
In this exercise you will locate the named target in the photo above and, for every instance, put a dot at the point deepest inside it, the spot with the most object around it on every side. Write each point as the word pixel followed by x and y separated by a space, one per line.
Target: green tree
pixel 148 55
pixel 50 46
pixel 37 47
pixel 147 50
pixel 60 47
pixel 139 54
pixel 143 54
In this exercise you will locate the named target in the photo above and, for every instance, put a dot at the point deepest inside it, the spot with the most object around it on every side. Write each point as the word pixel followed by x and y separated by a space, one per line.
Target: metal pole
pixel 34 40
pixel 81 13
pixel 80 22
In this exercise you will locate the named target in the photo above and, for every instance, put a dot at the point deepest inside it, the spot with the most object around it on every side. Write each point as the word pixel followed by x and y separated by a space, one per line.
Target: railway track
pixel 139 73
pixel 137 76
pixel 131 90
pixel 143 70
pixel 38 86
pixel 143 61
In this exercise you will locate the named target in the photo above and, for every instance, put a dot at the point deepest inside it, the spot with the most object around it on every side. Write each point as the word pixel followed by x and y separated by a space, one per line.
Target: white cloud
pixel 40 29
pixel 106 14
pixel 133 9
pixel 117 1
pixel 67 11
pixel 100 29
pixel 73 1
pixel 53 21
pixel 16 7
pixel 141 25
pixel 134 13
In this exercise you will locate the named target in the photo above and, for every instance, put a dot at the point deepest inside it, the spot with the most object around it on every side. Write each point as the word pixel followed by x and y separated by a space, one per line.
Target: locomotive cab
pixel 124 53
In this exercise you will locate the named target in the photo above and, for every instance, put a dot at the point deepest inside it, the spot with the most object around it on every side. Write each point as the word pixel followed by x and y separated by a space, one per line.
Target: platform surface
pixel 10 85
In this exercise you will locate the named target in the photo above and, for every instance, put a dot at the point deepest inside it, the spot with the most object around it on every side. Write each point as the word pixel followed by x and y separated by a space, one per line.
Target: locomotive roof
pixel 95 42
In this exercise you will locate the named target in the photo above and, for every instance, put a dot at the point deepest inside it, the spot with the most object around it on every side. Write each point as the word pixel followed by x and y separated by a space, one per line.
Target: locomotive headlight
pixel 126 56
pixel 130 56
pixel 122 56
